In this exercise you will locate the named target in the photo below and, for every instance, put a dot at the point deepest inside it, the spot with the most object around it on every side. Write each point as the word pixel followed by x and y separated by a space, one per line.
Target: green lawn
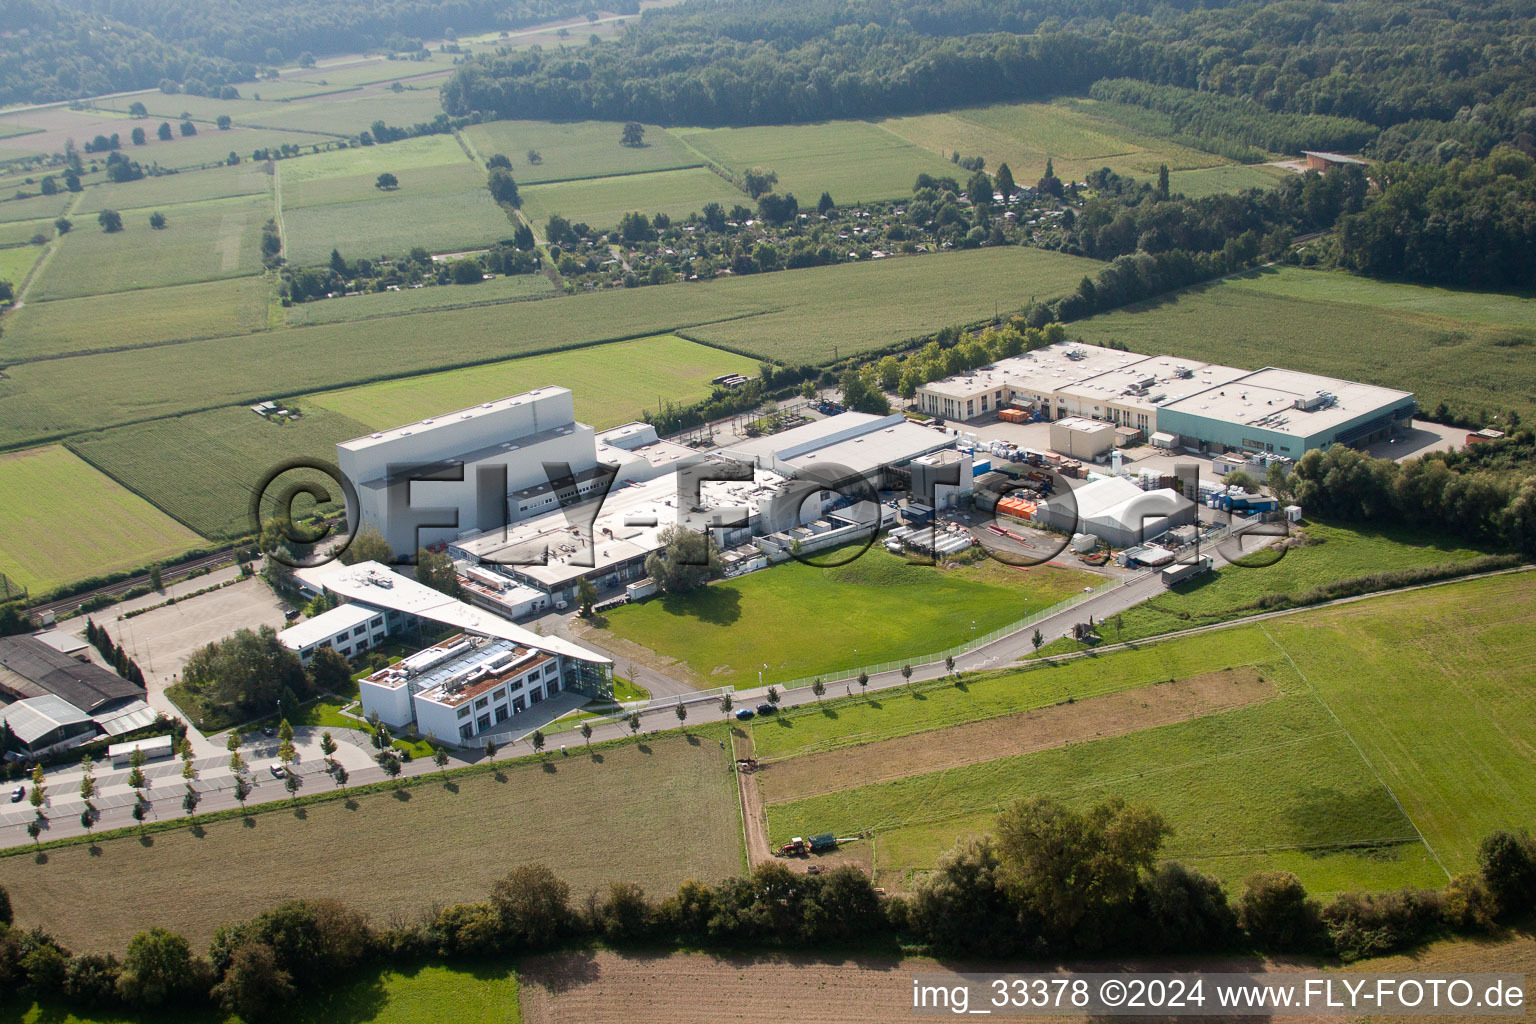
pixel 613 383
pixel 243 179
pixel 854 161
pixel 201 242
pixel 1334 552
pixel 61 520
pixel 601 202
pixel 149 316
pixel 576 149
pixel 417 300
pixel 1470 349
pixel 796 620
pixel 429 994
pixel 1423 698
pixel 204 468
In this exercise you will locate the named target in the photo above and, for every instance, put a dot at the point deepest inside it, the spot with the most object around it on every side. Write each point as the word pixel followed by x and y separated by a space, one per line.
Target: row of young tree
pixel 1049 882
pixel 1212 119
pixel 115 655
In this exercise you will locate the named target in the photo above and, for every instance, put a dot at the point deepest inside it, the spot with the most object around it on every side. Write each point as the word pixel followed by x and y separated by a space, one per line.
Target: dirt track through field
pixel 1041 729
pixel 603 987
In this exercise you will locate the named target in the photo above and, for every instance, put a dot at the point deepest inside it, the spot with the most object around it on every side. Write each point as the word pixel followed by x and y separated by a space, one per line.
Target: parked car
pixel 18 794
pixel 744 714
pixel 277 770
pixel 767 709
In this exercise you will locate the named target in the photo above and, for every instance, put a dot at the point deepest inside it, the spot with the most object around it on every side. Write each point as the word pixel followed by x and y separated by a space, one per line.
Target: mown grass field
pixel 831 312
pixel 210 147
pixel 601 202
pixel 204 468
pixel 854 161
pixel 348 113
pixel 1331 552
pixel 200 242
pixel 653 813
pixel 576 149
pixel 1212 181
pixel 465 993
pixel 797 620
pixel 1470 349
pixel 149 316
pixel 1424 697
pixel 61 520
pixel 1023 135
pixel 807 316
pixel 925 707
pixel 418 300
pixel 612 383
pixel 244 179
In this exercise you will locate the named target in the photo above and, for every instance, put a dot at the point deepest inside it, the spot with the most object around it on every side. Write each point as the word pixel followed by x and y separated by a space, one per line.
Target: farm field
pixel 370 161
pixel 38 207
pixel 601 202
pixel 204 468
pixel 1023 135
pixel 244 179
pixel 417 300
pixel 1333 552
pixel 576 149
pixel 17 262
pixel 1469 349
pixel 20 232
pixel 1297 782
pixel 798 732
pixel 854 161
pixel 877 608
pixel 201 242
pixel 809 314
pixel 391 225
pixel 98 901
pixel 612 383
pixel 60 520
pixel 690 988
pixel 827 312
pixel 149 316
pixel 346 114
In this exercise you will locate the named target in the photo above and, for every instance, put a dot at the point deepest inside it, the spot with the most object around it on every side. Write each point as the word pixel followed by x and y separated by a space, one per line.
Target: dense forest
pixel 67 49
pixel 278 31
pixel 1381 62
pixel 1470 224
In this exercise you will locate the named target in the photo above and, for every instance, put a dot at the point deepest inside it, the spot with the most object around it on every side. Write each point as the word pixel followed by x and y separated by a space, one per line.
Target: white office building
pixel 348 629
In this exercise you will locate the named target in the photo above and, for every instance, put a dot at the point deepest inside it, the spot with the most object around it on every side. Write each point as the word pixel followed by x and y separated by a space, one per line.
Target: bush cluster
pixel 1050 882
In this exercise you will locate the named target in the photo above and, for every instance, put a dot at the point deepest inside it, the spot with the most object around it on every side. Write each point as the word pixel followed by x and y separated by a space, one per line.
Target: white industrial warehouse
pixel 1204 406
